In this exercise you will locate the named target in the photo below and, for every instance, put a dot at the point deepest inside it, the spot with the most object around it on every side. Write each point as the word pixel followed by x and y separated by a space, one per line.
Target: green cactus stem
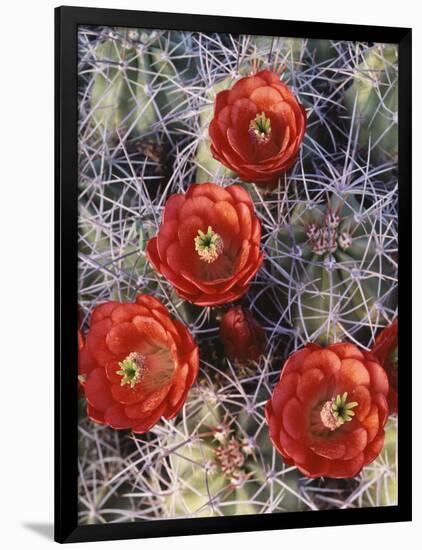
pixel 336 264
pixel 372 100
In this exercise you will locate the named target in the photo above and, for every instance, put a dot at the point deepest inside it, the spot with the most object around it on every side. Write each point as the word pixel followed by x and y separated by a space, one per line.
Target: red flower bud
pixel 242 336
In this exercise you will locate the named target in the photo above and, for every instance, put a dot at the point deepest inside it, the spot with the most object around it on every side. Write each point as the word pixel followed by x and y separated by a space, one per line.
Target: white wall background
pixel 26 270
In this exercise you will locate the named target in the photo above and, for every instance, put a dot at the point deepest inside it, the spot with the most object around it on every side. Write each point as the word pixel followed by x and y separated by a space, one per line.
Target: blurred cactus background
pixel 329 237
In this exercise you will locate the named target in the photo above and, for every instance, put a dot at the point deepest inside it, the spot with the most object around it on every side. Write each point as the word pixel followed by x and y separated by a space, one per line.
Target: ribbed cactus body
pixel 321 52
pixel 119 90
pixel 120 261
pixel 286 52
pixel 335 267
pixel 139 81
pixel 372 100
pixel 220 468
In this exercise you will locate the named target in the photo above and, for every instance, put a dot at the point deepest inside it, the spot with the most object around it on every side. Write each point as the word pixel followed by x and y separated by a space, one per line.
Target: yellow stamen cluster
pixel 337 411
pixel 131 369
pixel 209 245
pixel 260 128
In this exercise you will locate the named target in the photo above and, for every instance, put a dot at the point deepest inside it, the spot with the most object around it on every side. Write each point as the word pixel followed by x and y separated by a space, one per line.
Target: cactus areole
pixel 337 266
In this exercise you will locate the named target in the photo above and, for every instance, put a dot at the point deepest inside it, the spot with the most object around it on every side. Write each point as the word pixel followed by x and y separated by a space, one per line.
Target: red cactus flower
pixel 327 413
pixel 257 128
pixel 385 350
pixel 242 336
pixel 139 364
pixel 208 243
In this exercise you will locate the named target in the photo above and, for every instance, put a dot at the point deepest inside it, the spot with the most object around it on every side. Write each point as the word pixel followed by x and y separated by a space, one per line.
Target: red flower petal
pixel 209 190
pixel 151 303
pixel 383 410
pixel 150 329
pixel 346 351
pixel 374 448
pixel 166 236
pixel 127 395
pixel 268 76
pixel 126 312
pixel 103 311
pixel 346 468
pixel 244 88
pixel 362 396
pixel 226 219
pixel 311 387
pixel 173 205
pixel 355 443
pixel 179 384
pixel 239 194
pixel 145 424
pixel 86 362
pixel 293 419
pixel 291 447
pixel 94 415
pixel 154 400
pixel 379 380
pixel 123 339
pixel 96 341
pixel 314 465
pixel 353 373
pixel 296 361
pixel 200 207
pixel 325 360
pixel 97 390
pixel 265 97
pixel 220 100
pixel 116 418
pixel 283 390
pixel 328 449
pixel 371 423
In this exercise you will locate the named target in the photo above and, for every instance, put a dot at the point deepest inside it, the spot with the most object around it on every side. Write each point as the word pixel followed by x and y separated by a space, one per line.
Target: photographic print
pixel 238 259
pixel 233 213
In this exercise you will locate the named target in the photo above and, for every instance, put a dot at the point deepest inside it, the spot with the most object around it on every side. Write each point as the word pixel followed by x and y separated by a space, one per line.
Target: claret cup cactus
pixel 328 240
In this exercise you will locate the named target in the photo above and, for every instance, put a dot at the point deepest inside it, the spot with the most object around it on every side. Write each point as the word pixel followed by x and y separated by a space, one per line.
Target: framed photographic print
pixel 232 255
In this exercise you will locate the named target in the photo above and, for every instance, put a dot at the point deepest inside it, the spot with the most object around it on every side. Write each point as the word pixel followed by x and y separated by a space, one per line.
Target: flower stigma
pixel 131 369
pixel 260 128
pixel 209 245
pixel 337 411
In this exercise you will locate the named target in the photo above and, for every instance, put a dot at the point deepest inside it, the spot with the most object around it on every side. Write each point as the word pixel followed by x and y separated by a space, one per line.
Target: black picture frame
pixel 67 20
